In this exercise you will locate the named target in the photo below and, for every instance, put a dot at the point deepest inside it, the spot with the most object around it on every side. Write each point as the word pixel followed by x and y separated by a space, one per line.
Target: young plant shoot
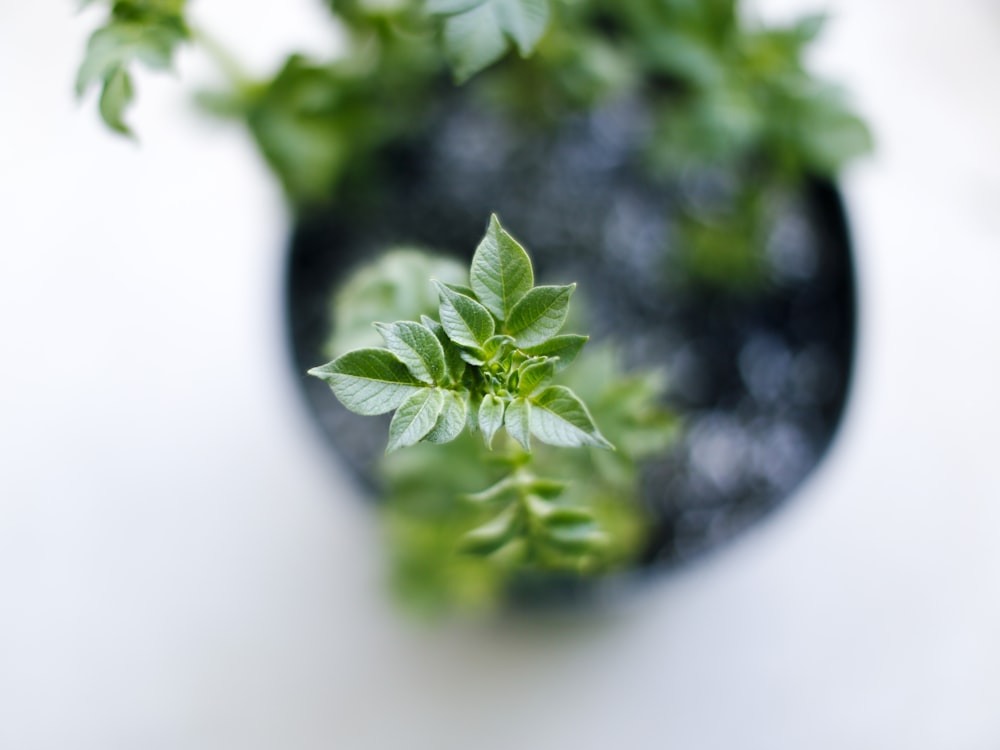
pixel 486 364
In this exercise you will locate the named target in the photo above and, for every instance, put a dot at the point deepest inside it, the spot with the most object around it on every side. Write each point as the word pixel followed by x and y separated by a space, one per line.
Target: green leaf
pixel 302 130
pixel 534 374
pixel 568 519
pixel 417 348
pixel 524 21
pixel 491 536
pixel 564 349
pixel 451 421
pixel 501 271
pixel 499 347
pixel 394 286
pixel 149 37
pixel 369 381
pixel 547 488
pixel 461 289
pixel 470 358
pixel 573 530
pixel 452 352
pixel 473 41
pixel 466 322
pixel 504 488
pixel 807 28
pixel 517 420
pixel 477 34
pixel 830 134
pixel 120 43
pixel 416 417
pixel 115 97
pixel 559 417
pixel 540 314
pixel 490 417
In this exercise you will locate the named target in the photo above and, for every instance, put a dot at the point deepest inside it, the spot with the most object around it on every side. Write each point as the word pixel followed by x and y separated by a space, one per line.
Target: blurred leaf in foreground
pixel 143 31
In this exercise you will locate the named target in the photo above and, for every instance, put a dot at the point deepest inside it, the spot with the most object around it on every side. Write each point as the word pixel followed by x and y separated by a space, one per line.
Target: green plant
pixel 425 515
pixel 486 364
pixel 720 90
pixel 715 99
pixel 422 490
pixel 718 94
pixel 136 31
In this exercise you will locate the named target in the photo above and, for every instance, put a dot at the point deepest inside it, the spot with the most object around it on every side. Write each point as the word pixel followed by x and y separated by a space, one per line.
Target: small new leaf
pixel 535 374
pixel 416 417
pixel 559 417
pixel 451 421
pixel 564 348
pixel 517 420
pixel 417 348
pixel 454 363
pixel 490 417
pixel 466 322
pixel 369 381
pixel 501 271
pixel 540 314
pixel 499 346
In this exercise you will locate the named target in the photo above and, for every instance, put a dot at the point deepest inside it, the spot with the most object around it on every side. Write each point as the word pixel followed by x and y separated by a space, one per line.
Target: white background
pixel 183 566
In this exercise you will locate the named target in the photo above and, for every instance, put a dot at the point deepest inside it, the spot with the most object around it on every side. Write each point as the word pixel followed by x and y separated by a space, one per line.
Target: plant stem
pixel 224 60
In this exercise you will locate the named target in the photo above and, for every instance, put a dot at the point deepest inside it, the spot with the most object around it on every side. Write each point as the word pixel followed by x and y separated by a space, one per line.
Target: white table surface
pixel 182 565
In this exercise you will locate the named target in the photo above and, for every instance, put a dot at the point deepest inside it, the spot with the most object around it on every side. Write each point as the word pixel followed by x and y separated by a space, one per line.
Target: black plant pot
pixel 759 374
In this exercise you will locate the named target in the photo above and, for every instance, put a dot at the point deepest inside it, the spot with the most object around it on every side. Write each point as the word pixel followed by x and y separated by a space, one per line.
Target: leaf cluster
pixel 136 31
pixel 720 89
pixel 485 363
pixel 717 90
pixel 735 92
pixel 317 123
pixel 424 525
pixel 470 34
pixel 529 526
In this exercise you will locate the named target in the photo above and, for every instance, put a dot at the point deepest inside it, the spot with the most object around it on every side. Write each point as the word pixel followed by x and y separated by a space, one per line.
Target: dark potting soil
pixel 759 373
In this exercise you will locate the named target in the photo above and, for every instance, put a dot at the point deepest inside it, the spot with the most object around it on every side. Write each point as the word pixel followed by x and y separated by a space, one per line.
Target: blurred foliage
pixel 721 91
pixel 396 286
pixel 143 31
pixel 316 123
pixel 425 503
pixel 716 95
pixel 425 518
